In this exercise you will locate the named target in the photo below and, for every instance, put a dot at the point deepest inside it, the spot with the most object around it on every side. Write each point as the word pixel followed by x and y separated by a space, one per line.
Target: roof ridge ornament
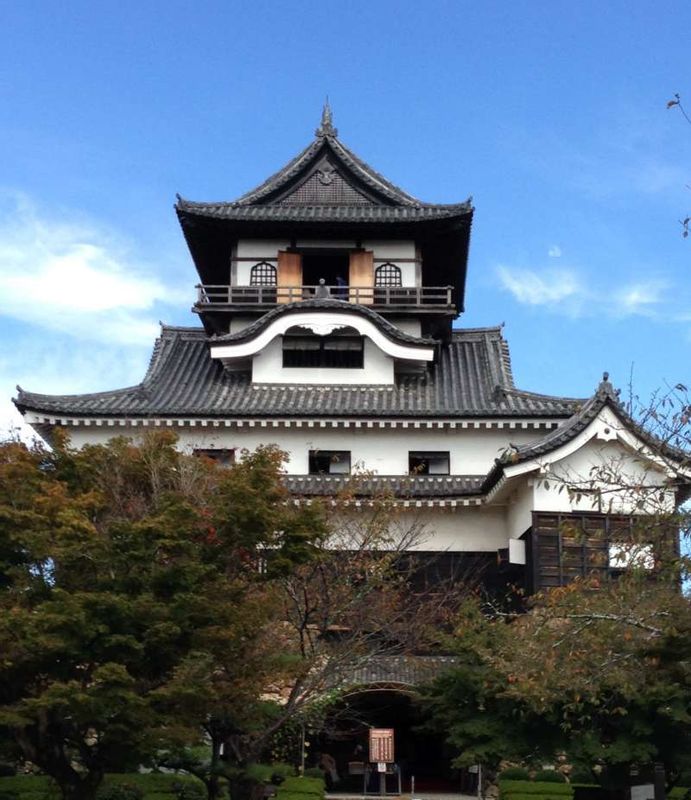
pixel 326 127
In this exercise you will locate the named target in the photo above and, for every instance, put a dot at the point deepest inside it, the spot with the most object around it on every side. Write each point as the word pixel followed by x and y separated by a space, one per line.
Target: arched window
pixel 388 275
pixel 263 274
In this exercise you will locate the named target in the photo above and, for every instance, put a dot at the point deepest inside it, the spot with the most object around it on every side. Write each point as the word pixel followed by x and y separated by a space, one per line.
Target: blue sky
pixel 550 114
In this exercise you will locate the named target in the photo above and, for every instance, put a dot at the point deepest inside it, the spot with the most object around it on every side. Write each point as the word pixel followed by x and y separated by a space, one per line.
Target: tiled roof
pixel 395 485
pixel 604 396
pixel 405 670
pixel 326 181
pixel 323 304
pixel 315 213
pixel 472 378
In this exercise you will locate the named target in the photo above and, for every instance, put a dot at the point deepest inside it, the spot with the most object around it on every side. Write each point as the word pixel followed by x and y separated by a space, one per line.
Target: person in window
pixel 342 290
pixel 322 290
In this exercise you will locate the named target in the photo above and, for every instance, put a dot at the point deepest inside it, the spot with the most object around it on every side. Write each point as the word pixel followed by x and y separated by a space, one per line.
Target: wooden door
pixel 289 278
pixel 362 277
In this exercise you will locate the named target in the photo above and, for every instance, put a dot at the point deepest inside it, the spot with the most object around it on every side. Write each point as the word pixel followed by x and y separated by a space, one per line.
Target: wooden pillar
pixel 361 278
pixel 289 277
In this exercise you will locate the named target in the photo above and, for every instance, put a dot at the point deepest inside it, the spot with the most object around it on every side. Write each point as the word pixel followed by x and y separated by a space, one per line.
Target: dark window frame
pixel 263 274
pixel 388 275
pixel 418 461
pixel 321 461
pixel 225 456
pixel 324 355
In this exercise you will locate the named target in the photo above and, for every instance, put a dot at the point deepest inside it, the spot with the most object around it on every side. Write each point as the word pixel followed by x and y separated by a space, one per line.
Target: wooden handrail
pixel 411 296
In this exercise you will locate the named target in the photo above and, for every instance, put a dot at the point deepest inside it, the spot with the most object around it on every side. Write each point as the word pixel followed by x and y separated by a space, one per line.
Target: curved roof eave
pixel 604 397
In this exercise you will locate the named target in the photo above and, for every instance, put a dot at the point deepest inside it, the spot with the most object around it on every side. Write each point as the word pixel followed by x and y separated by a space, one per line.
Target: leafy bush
pixel 184 790
pixel 583 776
pixel 549 776
pixel 529 790
pixel 120 791
pixel 7 770
pixel 30 787
pixel 514 774
pixel 306 785
pixel 153 785
pixel 532 796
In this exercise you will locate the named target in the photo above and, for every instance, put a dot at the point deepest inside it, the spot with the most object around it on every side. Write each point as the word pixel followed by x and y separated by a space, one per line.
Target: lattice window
pixel 263 274
pixel 388 275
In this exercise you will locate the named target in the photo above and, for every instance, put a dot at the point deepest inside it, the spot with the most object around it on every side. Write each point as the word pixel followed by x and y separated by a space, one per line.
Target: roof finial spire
pixel 326 128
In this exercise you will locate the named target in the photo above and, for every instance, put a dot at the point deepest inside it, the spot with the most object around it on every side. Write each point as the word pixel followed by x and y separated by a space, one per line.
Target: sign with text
pixel 381 745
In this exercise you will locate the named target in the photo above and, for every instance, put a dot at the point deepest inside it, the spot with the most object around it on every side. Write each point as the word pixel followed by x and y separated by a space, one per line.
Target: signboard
pixel 381 745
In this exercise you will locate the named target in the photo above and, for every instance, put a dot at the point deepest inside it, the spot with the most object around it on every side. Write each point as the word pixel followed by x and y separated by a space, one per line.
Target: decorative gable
pixel 325 186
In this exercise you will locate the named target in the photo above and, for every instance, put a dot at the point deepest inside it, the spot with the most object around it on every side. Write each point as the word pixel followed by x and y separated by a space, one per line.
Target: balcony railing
pixel 392 296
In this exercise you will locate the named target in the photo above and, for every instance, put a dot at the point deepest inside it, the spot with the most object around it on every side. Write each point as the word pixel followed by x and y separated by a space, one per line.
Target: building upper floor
pixel 328 225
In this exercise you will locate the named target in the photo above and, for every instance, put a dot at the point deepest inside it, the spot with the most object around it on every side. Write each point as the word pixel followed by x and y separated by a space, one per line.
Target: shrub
pixel 7 770
pixel 519 790
pixel 583 776
pixel 549 776
pixel 514 774
pixel 304 785
pixel 30 787
pixel 120 791
pixel 188 791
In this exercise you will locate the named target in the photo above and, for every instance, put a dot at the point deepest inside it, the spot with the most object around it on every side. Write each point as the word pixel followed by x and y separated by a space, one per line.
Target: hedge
pixel 527 790
pixel 304 786
pixel 155 785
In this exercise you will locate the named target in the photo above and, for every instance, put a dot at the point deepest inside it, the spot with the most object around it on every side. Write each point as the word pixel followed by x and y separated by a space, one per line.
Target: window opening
pixel 388 275
pixel 223 456
pixel 263 274
pixel 344 351
pixel 421 462
pixel 333 266
pixel 329 462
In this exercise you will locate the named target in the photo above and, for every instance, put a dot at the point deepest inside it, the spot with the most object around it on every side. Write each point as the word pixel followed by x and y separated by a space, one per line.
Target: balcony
pixel 391 298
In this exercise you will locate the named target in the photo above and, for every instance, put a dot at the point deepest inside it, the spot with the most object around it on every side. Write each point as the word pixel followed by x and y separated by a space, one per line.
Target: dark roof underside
pixel 328 191
pixel 472 378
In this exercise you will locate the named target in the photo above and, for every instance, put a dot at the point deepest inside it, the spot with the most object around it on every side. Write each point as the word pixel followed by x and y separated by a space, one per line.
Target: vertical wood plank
pixel 362 277
pixel 290 276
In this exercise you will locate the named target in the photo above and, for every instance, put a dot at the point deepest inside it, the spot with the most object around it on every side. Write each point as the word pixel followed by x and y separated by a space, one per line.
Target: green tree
pixel 121 568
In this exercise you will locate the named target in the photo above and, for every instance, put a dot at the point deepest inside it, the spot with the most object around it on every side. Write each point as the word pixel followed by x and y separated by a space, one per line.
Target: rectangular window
pixel 345 352
pixel 223 456
pixel 329 462
pixel 432 462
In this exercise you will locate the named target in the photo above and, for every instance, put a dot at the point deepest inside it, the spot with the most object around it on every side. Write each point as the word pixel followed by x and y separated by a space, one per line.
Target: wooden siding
pixel 289 275
pixel 362 275
pixel 562 547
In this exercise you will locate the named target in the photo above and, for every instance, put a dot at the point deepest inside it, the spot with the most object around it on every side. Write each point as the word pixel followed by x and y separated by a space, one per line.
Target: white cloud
pixel 53 365
pixel 75 278
pixel 640 298
pixel 569 293
pixel 537 289
pixel 554 251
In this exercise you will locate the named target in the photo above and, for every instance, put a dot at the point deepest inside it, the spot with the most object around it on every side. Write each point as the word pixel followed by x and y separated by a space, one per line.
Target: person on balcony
pixel 322 290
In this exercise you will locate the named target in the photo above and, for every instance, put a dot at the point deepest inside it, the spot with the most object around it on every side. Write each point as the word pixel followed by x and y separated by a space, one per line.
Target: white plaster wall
pixel 384 451
pixel 267 367
pixel 620 494
pixel 392 251
pixel 238 323
pixel 480 529
pixel 268 249
pixel 408 325
pixel 468 529
pixel 519 510
pixel 259 249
